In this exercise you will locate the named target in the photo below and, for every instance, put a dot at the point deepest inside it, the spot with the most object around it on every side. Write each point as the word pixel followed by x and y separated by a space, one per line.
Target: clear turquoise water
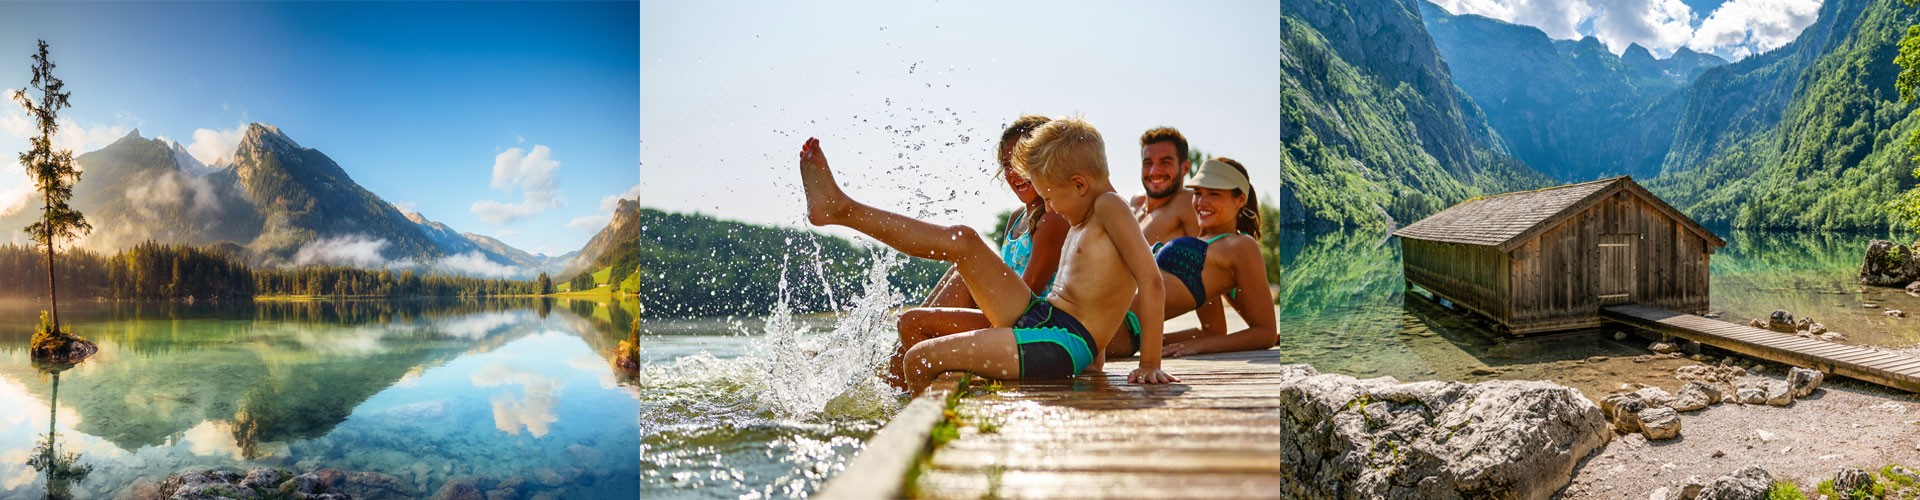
pixel 424 391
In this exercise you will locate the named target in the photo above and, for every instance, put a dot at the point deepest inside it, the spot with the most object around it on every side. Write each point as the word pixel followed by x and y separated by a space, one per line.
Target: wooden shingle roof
pixel 1508 220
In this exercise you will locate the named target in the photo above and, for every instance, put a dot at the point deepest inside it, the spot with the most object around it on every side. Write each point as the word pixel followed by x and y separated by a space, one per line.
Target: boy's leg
pixel 922 324
pixel 950 291
pixel 996 289
pixel 989 353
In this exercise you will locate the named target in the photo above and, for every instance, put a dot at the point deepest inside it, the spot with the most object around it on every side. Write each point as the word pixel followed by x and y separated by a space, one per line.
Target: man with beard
pixel 1166 211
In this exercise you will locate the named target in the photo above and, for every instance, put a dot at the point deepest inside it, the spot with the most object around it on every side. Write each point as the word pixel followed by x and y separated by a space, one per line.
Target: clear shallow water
pixel 1344 308
pixel 423 391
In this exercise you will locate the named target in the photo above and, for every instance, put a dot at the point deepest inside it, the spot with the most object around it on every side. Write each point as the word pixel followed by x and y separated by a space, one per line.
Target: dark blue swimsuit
pixel 1185 258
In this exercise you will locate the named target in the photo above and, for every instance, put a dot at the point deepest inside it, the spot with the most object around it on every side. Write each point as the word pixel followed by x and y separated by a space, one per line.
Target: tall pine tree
pixel 53 178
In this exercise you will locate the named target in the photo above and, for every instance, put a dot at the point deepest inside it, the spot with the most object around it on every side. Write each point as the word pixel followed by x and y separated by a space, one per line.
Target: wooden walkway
pixel 1884 368
pixel 1216 434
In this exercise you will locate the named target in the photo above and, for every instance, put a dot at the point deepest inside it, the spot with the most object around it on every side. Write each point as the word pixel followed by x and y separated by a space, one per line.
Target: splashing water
pixel 784 415
pixel 805 375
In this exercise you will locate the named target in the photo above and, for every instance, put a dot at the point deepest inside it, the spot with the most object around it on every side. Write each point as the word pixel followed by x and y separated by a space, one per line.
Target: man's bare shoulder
pixel 1183 199
pixel 1136 201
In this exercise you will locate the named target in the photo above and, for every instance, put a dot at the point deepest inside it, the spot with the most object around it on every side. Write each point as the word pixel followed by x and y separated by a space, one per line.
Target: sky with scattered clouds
pixel 1731 29
pixel 909 98
pixel 514 120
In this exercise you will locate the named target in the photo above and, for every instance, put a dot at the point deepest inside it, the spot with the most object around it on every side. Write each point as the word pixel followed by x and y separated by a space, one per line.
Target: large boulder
pixel 1379 438
pixel 1887 264
pixel 1750 483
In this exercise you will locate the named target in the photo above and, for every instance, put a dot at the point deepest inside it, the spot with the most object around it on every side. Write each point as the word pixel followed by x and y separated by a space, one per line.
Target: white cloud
pixel 406 207
pixel 216 147
pixel 476 264
pixel 1734 30
pixel 1740 28
pixel 590 223
pixel 1662 26
pixel 365 252
pixel 1558 18
pixel 593 223
pixel 532 172
pixel 351 250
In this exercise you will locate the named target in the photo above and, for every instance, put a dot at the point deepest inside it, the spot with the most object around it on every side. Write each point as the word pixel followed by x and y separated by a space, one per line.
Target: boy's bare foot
pixel 825 202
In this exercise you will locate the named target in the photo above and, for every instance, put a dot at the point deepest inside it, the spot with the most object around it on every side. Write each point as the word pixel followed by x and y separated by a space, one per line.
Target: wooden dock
pixel 1884 368
pixel 1215 434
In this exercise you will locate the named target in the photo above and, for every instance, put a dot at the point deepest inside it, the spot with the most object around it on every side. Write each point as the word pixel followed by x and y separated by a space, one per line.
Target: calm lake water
pixel 1344 309
pixel 423 391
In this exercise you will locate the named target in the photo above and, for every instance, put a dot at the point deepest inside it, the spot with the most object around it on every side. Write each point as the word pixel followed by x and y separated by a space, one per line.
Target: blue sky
pixel 909 98
pixel 1731 29
pixel 418 102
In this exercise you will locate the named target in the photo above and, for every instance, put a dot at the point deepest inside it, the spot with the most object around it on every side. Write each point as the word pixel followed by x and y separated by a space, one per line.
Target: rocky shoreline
pixel 1719 430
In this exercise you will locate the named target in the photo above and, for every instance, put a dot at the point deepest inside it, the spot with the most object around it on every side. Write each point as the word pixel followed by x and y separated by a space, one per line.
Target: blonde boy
pixel 1104 263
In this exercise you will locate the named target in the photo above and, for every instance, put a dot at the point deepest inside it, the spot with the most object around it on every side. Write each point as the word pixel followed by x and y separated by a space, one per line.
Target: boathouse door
pixel 1614 281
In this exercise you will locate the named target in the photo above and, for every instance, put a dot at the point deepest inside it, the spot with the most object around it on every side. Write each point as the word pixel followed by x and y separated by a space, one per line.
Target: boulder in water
pixel 1887 264
pixel 1780 321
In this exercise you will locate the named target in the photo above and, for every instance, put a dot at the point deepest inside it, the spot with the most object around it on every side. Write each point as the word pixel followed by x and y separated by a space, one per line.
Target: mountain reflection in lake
pixel 1344 308
pixel 512 393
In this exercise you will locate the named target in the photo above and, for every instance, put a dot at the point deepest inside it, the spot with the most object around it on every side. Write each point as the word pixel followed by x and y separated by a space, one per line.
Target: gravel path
pixel 1846 423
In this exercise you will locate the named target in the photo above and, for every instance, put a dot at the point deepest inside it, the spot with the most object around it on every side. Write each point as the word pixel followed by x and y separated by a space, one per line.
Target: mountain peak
pixel 261 133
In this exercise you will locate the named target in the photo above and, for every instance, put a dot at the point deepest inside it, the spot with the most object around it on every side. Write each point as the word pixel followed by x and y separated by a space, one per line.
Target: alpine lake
pixel 1345 307
pixel 404 395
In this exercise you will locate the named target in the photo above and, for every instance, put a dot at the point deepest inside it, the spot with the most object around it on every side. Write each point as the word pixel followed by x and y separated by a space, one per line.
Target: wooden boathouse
pixel 1550 259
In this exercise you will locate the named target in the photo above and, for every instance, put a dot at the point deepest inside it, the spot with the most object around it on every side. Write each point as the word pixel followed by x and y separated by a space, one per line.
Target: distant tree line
pixel 155 271
pixel 693 265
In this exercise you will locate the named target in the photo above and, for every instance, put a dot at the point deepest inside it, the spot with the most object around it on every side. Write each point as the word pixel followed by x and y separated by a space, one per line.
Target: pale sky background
pixel 1731 29
pixel 730 90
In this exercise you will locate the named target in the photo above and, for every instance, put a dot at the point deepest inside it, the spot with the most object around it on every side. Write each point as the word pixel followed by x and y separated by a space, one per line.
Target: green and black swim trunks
pixel 1051 343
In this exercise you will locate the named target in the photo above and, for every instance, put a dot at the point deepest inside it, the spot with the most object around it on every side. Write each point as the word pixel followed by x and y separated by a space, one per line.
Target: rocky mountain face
pixel 1568 108
pixel 1373 129
pixel 1809 135
pixel 280 202
pixel 138 189
pixel 622 234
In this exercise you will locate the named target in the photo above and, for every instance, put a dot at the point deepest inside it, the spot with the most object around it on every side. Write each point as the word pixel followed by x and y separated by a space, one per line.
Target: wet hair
pixel 1021 128
pixel 1166 134
pixel 1061 148
pixel 1248 220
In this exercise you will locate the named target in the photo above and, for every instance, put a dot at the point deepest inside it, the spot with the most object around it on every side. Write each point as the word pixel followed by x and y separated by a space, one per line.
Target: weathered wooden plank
pixel 881 469
pixel 1050 485
pixel 1877 367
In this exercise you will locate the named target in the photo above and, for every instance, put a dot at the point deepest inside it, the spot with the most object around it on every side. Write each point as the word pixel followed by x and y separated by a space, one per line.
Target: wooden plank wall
pixel 1554 277
pixel 1469 275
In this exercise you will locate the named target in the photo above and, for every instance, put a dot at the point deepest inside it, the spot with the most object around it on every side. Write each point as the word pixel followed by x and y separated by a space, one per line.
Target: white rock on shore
pixel 1380 438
